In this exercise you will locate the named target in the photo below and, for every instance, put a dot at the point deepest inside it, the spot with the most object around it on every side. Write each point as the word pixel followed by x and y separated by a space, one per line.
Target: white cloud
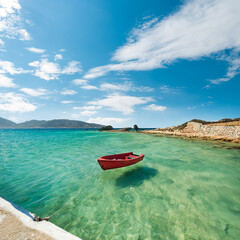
pixel 89 87
pixel 58 57
pixel 1 43
pixel 126 86
pixel 45 69
pixel 232 71
pixel 8 7
pixel 24 35
pixel 83 83
pixel 8 67
pixel 101 71
pixel 87 108
pixel 72 67
pixel 36 50
pixel 6 81
pixel 67 102
pixel 83 114
pixel 199 28
pixel 80 81
pixel 68 92
pixel 107 121
pixel 154 107
pixel 11 23
pixel 88 113
pixel 51 70
pixel 116 87
pixel 35 92
pixel 142 89
pixel 121 103
pixel 13 102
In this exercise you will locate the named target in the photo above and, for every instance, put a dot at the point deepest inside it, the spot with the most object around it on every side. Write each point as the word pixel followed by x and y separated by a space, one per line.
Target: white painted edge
pixel 26 218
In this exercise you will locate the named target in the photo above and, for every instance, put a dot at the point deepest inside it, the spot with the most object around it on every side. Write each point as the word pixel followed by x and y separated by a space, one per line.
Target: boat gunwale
pixel 103 158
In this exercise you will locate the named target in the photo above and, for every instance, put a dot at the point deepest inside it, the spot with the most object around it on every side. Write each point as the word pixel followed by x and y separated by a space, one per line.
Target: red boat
pixel 119 160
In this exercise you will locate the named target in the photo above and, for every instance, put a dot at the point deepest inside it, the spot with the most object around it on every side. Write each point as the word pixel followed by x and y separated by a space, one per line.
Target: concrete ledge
pixel 20 216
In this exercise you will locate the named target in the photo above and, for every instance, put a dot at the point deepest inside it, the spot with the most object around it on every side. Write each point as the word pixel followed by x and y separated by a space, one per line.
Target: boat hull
pixel 119 160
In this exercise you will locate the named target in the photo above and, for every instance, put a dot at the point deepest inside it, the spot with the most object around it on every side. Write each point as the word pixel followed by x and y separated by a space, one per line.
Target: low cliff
pixel 215 131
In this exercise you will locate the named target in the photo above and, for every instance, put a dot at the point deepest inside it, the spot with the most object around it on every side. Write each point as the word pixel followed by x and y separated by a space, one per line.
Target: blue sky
pixel 151 63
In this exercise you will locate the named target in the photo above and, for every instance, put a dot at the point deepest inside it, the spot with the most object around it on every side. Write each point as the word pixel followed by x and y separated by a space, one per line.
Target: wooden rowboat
pixel 119 160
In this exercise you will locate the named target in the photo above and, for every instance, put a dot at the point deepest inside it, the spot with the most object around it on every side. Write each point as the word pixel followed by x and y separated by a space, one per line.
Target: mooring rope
pixel 39 219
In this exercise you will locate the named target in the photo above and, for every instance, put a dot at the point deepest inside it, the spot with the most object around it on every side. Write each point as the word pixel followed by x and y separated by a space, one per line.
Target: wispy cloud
pixel 121 103
pixel 83 83
pixel 89 87
pixel 115 87
pixel 6 82
pixel 35 92
pixel 1 43
pixel 35 50
pixel 112 87
pixel 12 102
pixel 72 67
pixel 169 90
pixel 87 108
pixel 80 81
pixel 191 108
pixel 154 107
pixel 68 92
pixel 232 71
pixel 107 121
pixel 199 28
pixel 87 113
pixel 11 22
pixel 124 87
pixel 67 102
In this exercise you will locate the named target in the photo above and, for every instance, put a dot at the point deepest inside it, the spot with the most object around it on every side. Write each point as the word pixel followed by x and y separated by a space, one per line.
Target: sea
pixel 183 189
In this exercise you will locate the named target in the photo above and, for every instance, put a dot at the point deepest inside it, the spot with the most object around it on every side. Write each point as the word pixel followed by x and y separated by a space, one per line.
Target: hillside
pixel 56 123
pixel 4 123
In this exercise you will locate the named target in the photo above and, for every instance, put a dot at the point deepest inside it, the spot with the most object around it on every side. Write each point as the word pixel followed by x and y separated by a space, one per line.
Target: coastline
pixel 228 132
pixel 217 132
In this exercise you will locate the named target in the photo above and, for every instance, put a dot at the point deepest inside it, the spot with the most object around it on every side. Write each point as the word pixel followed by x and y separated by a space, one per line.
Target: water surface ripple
pixel 182 189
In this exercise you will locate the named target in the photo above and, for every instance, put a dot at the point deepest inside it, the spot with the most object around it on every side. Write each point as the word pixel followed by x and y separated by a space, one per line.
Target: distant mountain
pixel 32 124
pixel 56 123
pixel 4 123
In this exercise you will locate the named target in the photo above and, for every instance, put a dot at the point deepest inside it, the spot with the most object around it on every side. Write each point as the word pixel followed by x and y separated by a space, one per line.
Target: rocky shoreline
pixel 222 132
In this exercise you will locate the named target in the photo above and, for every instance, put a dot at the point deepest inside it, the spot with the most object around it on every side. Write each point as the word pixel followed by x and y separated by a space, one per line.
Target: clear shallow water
pixel 181 190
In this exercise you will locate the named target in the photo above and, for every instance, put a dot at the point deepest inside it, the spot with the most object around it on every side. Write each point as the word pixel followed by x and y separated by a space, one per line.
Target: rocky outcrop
pixel 204 131
pixel 212 131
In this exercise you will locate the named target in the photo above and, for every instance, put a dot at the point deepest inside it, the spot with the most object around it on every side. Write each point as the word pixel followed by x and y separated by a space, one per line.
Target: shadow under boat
pixel 136 176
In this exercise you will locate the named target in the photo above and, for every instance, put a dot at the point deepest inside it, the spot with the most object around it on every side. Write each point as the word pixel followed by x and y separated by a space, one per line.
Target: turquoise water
pixel 181 190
